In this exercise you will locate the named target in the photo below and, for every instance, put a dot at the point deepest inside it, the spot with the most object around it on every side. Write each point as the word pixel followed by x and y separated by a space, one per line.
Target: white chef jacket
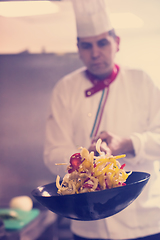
pixel 132 109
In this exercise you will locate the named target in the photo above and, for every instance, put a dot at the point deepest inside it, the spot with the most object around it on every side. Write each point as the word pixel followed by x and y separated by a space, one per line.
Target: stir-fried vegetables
pixel 88 173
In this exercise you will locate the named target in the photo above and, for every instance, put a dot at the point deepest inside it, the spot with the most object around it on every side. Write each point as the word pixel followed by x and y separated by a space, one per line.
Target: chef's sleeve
pixel 147 143
pixel 59 145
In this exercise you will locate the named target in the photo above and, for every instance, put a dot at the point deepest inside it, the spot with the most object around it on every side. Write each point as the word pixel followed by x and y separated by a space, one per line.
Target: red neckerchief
pixel 100 84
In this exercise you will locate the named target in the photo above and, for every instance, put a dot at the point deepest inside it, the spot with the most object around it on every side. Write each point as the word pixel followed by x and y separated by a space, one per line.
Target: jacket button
pixel 88 93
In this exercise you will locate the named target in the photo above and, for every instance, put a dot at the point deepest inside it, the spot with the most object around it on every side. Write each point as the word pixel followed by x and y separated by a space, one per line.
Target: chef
pixel 116 103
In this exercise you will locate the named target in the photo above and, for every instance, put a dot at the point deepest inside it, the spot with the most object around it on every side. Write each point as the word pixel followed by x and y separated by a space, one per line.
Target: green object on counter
pixel 15 219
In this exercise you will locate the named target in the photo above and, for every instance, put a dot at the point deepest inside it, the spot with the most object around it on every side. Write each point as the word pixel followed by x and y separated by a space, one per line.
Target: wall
pixel 26 82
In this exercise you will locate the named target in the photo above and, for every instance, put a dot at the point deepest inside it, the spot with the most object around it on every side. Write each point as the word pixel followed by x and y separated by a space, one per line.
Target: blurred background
pixel 37 48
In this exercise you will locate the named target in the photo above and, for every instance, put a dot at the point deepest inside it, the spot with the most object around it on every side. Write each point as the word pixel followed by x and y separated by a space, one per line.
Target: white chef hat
pixel 92 17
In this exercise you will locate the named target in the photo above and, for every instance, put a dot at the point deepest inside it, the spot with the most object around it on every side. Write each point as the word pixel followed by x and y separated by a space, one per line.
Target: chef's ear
pixel 79 52
pixel 117 39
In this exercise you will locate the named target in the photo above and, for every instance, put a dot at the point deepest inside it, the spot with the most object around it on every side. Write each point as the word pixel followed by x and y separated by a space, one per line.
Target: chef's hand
pixel 115 145
pixel 103 148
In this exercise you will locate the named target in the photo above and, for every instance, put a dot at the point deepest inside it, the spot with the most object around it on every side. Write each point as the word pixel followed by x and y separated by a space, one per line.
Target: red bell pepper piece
pixel 87 185
pixel 123 165
pixel 75 161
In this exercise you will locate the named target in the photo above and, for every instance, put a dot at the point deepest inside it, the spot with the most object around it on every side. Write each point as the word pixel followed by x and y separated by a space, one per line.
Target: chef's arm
pixel 144 146
pixel 58 143
pixel 147 144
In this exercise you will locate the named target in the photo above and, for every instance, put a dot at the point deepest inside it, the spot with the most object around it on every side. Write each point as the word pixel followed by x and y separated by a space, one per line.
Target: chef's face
pixel 98 53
